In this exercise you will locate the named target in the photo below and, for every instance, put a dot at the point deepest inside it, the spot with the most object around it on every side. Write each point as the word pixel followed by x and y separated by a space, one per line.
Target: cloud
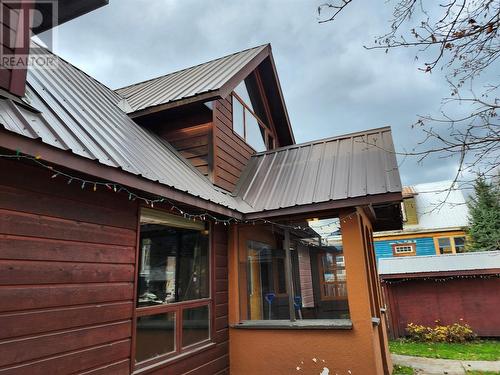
pixel 331 84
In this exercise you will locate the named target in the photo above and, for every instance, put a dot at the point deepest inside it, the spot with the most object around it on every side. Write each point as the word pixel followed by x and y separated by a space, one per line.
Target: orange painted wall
pixel 359 350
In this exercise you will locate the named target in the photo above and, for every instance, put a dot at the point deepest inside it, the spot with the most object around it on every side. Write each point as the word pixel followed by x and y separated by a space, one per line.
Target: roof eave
pixel 326 207
pixel 50 154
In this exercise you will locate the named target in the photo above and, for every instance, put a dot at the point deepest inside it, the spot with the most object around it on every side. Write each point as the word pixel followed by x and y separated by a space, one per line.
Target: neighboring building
pixel 163 228
pixel 435 219
pixel 452 288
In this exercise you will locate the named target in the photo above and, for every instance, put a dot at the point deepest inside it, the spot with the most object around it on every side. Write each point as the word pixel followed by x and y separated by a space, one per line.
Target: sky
pixel 331 84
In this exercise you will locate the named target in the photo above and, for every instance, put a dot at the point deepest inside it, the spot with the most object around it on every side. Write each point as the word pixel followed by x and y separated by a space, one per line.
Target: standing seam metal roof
pixel 79 114
pixel 186 83
pixel 354 165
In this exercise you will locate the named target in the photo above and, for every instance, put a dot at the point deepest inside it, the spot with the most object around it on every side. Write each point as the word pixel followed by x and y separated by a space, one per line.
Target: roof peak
pixel 262 46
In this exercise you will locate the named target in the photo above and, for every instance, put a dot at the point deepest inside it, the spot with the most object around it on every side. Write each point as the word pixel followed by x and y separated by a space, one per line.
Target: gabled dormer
pixel 216 114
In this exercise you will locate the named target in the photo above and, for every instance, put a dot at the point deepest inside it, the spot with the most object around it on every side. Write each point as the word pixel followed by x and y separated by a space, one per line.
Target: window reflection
pixel 317 276
pixel 238 113
pixel 174 264
pixel 195 325
pixel 444 245
pixel 155 335
pixel 267 296
pixel 245 122
pixel 254 133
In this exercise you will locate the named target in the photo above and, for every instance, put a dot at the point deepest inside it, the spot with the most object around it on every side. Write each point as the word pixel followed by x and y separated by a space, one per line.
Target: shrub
pixel 457 332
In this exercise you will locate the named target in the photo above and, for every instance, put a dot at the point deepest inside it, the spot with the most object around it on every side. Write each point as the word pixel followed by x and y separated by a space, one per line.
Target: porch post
pixel 289 281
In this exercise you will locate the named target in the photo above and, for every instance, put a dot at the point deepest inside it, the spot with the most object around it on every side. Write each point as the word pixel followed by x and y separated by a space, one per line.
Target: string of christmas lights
pixel 438 279
pixel 117 188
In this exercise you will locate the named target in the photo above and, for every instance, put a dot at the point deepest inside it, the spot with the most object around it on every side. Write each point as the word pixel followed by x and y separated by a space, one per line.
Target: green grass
pixel 403 370
pixel 484 350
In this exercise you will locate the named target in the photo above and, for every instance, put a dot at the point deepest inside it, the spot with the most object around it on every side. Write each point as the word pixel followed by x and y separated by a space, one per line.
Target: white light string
pixel 117 188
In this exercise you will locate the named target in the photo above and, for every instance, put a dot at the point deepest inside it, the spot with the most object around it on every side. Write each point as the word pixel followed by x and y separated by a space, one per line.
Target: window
pixel 332 276
pixel 444 245
pixel 450 245
pixel 267 295
pixel 173 287
pixel 459 244
pixel 310 282
pixel 247 124
pixel 404 249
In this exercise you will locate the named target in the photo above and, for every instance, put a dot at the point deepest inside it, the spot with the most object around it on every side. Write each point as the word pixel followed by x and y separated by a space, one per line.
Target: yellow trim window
pixel 450 245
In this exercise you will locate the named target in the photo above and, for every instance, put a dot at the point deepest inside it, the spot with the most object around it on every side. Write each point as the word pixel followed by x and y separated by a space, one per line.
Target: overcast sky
pixel 331 84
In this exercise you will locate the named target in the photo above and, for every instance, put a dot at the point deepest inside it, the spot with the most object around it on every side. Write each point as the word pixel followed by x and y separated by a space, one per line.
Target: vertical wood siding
pixel 475 301
pixel 67 260
pixel 231 152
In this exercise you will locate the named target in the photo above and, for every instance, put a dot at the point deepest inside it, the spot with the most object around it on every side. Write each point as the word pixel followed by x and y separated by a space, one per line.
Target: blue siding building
pixel 424 246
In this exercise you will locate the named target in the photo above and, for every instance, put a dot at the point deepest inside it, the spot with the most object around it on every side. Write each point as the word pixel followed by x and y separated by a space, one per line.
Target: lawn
pixel 484 350
pixel 403 370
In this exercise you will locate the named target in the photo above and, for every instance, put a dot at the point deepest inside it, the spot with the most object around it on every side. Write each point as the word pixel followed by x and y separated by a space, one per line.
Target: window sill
pixel 334 324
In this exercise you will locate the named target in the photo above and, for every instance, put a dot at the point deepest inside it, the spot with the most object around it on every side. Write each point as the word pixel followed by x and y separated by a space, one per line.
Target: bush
pixel 457 332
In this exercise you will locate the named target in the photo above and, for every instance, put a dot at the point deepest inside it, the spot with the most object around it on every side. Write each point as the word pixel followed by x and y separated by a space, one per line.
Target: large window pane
pixel 238 113
pixel 242 92
pixel 155 335
pixel 267 297
pixel 174 261
pixel 459 244
pixel 317 273
pixel 444 245
pixel 195 325
pixel 254 133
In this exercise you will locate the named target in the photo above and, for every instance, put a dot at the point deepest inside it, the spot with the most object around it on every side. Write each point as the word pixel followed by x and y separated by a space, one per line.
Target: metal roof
pixel 353 165
pixel 439 207
pixel 187 83
pixel 440 263
pixel 80 115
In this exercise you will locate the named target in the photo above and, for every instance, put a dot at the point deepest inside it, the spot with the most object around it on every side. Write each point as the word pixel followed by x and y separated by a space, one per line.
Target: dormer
pixel 216 114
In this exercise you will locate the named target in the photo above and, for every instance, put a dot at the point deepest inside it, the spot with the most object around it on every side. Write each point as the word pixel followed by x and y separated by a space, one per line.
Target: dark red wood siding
pixel 67 260
pixel 476 301
pixel 189 131
pixel 231 152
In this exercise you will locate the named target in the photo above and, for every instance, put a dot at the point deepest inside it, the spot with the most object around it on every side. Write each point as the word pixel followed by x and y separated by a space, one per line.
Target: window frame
pixel 412 245
pixel 451 238
pixel 269 138
pixel 336 283
pixel 176 307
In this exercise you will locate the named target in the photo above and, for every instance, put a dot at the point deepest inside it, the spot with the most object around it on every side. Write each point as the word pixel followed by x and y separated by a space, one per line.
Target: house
pixel 450 288
pixel 435 219
pixel 168 227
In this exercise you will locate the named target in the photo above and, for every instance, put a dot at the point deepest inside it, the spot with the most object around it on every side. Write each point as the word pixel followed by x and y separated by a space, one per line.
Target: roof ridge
pixel 321 140
pixel 117 90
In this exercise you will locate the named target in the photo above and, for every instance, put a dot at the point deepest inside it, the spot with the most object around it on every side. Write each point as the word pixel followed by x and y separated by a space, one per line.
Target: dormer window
pixel 247 124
